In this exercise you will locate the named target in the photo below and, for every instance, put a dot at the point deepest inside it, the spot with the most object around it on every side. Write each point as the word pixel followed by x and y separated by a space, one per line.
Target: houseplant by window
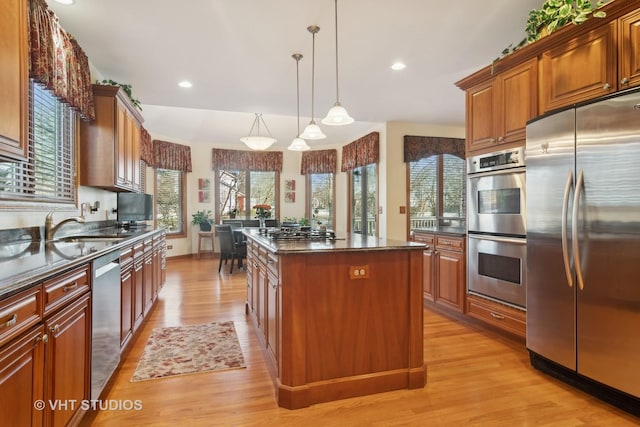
pixel 203 219
pixel 263 212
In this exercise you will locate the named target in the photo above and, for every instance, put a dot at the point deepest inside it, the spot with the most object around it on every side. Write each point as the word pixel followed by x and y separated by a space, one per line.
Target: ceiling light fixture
pixel 298 144
pixel 66 2
pixel 257 141
pixel 313 131
pixel 337 115
pixel 185 84
pixel 397 66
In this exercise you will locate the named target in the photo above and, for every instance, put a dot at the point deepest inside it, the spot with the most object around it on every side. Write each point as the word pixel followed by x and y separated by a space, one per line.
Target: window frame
pixel 308 192
pixel 350 199
pixel 183 211
pixel 275 214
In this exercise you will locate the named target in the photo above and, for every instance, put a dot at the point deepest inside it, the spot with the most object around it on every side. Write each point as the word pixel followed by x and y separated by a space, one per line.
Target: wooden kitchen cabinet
pixel 499 315
pixel 629 50
pixel 14 79
pixel 68 362
pixel 498 109
pixel 138 285
pixel 444 269
pixel 126 296
pixel 147 277
pixel 110 144
pixel 593 54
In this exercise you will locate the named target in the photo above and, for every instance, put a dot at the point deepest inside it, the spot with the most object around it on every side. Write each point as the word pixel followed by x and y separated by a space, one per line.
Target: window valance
pixel 361 152
pixel 168 155
pixel 146 147
pixel 263 161
pixel 319 161
pixel 420 147
pixel 57 60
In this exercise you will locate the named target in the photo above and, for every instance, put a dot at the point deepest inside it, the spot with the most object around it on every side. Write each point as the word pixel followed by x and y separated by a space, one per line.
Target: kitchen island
pixel 337 318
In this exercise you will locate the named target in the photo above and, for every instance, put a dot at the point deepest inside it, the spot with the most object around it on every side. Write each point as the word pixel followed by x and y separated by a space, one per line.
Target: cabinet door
pixel 138 294
pixel 134 154
pixel 21 379
pixel 517 96
pixel 629 50
pixel 122 129
pixel 481 116
pixel 68 362
pixel 450 273
pixel 582 69
pixel 428 274
pixel 147 275
pixel 271 331
pixel 126 304
pixel 14 79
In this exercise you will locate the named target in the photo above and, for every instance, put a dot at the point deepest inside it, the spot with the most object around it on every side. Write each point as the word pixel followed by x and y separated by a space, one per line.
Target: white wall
pixel 394 194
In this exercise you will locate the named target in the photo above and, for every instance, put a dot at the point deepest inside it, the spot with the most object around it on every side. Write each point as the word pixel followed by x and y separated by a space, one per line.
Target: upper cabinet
pixel 110 144
pixel 14 79
pixel 629 50
pixel 579 70
pixel 498 109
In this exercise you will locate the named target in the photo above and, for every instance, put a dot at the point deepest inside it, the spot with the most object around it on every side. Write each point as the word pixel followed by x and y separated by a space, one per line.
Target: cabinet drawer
pixel 450 243
pixel 19 312
pixel 501 316
pixel 273 264
pixel 63 288
pixel 424 238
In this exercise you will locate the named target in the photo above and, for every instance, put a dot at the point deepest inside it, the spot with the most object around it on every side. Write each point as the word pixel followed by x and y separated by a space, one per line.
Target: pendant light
pixel 337 115
pixel 313 131
pixel 298 144
pixel 257 141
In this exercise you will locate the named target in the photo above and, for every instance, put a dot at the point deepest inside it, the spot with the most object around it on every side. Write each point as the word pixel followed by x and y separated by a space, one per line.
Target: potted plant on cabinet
pixel 555 14
pixel 202 219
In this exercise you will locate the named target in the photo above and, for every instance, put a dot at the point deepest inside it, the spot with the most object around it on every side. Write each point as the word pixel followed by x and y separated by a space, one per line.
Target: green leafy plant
pixel 555 14
pixel 127 89
pixel 202 218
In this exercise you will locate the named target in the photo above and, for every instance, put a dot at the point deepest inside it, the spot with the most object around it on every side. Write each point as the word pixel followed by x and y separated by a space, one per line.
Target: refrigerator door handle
pixel 565 249
pixel 574 231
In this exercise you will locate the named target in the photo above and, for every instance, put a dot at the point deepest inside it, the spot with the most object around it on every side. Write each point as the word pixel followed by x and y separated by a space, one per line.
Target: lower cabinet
pixel 499 315
pixel 444 269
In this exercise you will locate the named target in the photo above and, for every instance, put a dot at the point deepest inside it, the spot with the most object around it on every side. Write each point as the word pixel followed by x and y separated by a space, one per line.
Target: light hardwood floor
pixel 475 376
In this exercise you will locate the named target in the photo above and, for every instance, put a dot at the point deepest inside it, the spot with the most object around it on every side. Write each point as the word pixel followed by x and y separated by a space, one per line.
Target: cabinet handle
pixel 41 339
pixel 624 81
pixel 12 321
pixel 497 316
pixel 501 139
pixel 54 329
pixel 606 86
pixel 70 287
pixel 492 140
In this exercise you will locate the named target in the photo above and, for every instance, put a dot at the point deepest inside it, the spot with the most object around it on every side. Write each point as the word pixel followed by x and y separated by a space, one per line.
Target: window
pixel 437 193
pixel 320 200
pixel 364 196
pixel 48 174
pixel 170 201
pixel 238 191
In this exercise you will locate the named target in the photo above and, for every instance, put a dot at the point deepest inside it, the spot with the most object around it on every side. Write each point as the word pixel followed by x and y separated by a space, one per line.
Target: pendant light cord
pixel 313 70
pixel 336 16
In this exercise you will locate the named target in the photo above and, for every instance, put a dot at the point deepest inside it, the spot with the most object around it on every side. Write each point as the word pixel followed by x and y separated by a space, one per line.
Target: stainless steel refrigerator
pixel 583 243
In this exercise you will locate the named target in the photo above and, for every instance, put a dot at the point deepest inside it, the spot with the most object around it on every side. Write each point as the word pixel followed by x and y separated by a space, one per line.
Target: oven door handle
pixel 574 231
pixel 501 239
pixel 497 172
pixel 565 245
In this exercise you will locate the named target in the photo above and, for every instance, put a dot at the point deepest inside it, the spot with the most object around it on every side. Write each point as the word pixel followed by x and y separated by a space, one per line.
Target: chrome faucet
pixel 50 229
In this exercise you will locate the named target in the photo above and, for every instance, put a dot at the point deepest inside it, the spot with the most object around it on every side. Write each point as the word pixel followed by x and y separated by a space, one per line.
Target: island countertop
pixel 348 243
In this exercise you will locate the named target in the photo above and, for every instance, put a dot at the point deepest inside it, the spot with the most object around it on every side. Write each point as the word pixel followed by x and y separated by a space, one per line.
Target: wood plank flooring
pixel 475 376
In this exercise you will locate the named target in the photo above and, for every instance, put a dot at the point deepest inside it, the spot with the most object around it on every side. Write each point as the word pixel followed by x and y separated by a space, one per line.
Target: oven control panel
pixel 495 161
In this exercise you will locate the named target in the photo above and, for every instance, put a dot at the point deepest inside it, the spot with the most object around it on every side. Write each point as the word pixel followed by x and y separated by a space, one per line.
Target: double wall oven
pixel 497 226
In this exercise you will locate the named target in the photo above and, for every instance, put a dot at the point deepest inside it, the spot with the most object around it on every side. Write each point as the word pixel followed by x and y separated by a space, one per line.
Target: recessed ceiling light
pixel 397 66
pixel 185 84
pixel 66 2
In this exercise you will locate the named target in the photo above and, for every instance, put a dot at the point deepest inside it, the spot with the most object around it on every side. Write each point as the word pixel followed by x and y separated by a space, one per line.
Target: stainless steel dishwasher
pixel 105 321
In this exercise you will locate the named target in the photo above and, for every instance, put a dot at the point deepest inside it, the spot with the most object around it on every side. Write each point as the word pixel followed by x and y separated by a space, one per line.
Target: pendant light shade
pixel 313 131
pixel 338 115
pixel 255 140
pixel 298 144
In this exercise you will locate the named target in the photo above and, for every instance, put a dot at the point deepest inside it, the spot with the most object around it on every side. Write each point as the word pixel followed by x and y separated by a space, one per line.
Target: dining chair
pixel 270 222
pixel 230 248
pixel 234 223
pixel 251 223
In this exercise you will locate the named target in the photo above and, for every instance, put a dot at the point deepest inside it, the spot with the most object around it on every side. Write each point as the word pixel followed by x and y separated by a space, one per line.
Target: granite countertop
pixel 349 243
pixel 452 231
pixel 23 263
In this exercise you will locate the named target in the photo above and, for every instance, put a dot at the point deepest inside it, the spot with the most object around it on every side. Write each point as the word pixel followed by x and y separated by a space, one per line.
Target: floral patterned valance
pixel 146 147
pixel 57 60
pixel 167 155
pixel 319 161
pixel 420 147
pixel 263 161
pixel 361 152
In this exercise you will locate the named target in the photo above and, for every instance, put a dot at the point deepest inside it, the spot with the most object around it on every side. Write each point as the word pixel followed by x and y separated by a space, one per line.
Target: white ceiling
pixel 237 54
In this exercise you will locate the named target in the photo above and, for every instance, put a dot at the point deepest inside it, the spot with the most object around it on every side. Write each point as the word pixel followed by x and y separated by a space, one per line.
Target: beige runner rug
pixel 189 349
